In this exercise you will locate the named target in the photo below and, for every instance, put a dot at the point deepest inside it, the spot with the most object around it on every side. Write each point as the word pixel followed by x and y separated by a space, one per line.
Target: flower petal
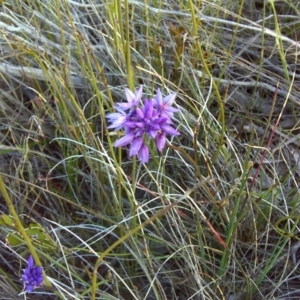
pixel 140 113
pixel 148 109
pixel 162 120
pixel 117 120
pixel 125 140
pixel 160 141
pixel 138 94
pixel 30 263
pixel 135 146
pixel 168 100
pixel 170 130
pixel 29 288
pixel 152 133
pixel 143 154
pixel 130 96
pixel 158 99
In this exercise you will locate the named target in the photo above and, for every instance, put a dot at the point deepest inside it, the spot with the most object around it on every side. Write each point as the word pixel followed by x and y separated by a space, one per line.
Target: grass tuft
pixel 216 215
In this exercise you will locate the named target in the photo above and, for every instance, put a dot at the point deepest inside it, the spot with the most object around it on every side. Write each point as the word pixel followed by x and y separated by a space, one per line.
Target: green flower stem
pixel 20 227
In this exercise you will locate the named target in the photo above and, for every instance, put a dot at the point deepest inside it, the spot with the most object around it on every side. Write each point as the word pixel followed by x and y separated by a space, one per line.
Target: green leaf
pixel 7 220
pixel 14 239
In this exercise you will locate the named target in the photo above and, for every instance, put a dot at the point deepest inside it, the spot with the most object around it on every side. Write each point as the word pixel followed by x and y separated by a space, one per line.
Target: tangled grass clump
pixel 213 214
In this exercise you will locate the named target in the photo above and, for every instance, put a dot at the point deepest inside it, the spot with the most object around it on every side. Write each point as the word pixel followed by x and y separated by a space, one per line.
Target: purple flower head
pixel 33 276
pixel 143 121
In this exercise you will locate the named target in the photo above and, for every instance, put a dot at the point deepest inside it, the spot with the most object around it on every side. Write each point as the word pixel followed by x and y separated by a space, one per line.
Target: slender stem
pixel 127 48
pixel 21 229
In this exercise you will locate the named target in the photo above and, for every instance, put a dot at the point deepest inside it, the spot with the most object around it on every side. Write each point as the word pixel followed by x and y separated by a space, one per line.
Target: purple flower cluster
pixel 143 120
pixel 33 276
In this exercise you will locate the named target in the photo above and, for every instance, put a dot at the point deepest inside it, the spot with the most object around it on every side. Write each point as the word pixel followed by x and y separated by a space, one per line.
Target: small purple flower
pixel 117 119
pixel 133 99
pixel 143 122
pixel 163 105
pixel 33 276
